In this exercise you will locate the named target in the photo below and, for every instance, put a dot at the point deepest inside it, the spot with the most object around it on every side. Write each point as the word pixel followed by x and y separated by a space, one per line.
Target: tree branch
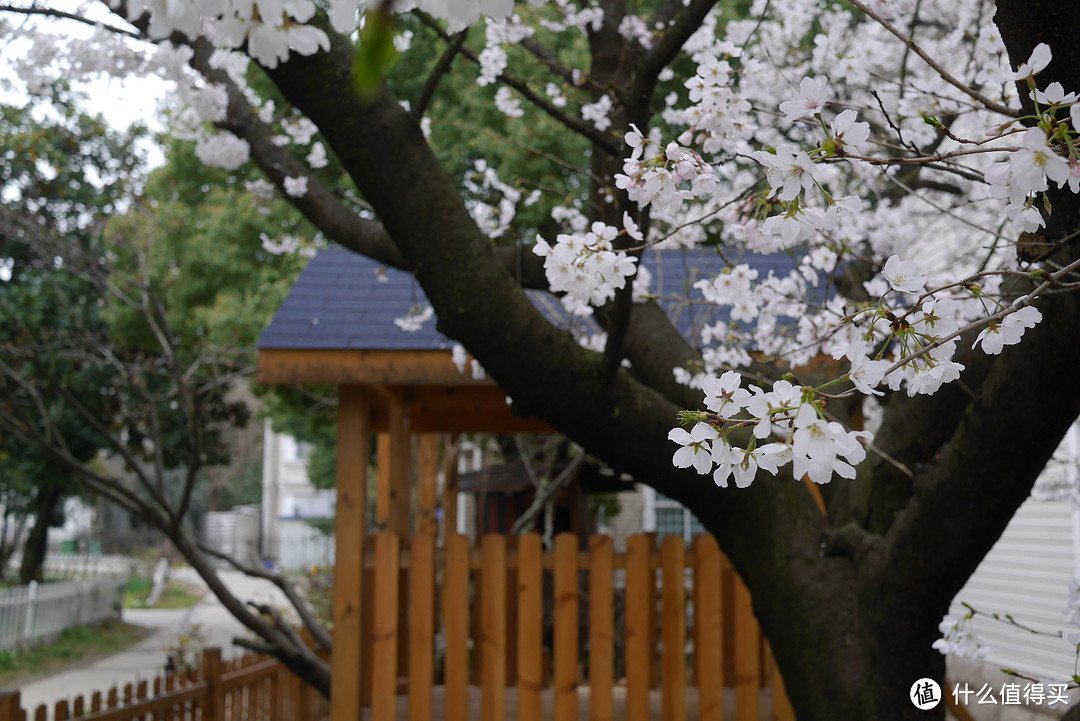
pixel 586 130
pixel 665 50
pixel 318 631
pixel 442 67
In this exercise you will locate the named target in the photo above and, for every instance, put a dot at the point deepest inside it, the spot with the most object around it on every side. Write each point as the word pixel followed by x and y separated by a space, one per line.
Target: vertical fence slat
pixel 673 627
pixel 456 626
pixel 747 656
pixel 638 613
pixel 530 626
pixel 60 711
pixel 566 626
pixel 78 707
pixel 214 703
pixel 41 713
pixel 384 633
pixel 511 612
pixel 708 629
pixel 601 628
pixel 493 628
pixel 421 632
pixel 10 707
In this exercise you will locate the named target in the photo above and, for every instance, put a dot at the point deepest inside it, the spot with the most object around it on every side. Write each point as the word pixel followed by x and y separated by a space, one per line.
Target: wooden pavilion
pixel 337 326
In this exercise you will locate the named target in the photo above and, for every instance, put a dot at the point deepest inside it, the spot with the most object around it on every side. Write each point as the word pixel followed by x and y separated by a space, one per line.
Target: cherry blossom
pixel 696 450
pixel 901 275
pixel 1040 58
pixel 812 96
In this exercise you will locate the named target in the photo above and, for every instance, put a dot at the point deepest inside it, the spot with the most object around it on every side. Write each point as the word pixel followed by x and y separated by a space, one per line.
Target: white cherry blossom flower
pixel 812 96
pixel 1035 159
pixel 1053 94
pixel 1040 58
pixel 847 132
pixel 901 275
pixel 696 450
pixel 723 395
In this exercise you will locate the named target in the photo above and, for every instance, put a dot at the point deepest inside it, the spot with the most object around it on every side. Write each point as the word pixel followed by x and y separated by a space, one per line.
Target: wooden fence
pixel 564 634
pixel 248 688
pixel 39 612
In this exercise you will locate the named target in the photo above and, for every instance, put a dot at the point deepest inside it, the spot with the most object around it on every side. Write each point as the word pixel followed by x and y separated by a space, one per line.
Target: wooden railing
pixel 545 634
pixel 505 631
pixel 248 688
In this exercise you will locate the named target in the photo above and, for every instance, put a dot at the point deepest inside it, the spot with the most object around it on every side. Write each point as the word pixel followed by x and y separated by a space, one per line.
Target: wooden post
pixel 673 628
pixel 450 486
pixel 708 629
pixel 493 628
pixel 385 632
pixel 214 703
pixel 566 626
pixel 351 475
pixel 394 452
pixel 530 627
pixel 601 628
pixel 10 706
pixel 639 578
pixel 456 626
pixel 427 492
pixel 421 632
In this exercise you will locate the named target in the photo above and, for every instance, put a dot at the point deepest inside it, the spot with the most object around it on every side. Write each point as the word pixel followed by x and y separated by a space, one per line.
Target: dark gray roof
pixel 343 300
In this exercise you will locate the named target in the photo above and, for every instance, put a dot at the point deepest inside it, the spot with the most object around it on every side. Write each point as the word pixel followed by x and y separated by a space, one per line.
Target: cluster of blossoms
pixel 492 203
pixel 586 267
pixel 665 176
pixel 815 447
pixel 959 639
pixel 920 342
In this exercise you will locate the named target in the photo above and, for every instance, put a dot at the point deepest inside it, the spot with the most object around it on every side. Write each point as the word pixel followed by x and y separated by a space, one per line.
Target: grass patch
pixel 75 647
pixel 175 595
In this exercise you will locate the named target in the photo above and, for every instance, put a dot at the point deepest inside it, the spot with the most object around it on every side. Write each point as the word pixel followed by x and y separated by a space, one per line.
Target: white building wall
pixel 1027 575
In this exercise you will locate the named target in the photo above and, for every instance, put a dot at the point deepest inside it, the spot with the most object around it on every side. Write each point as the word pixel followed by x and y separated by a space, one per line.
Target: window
pixel 668 517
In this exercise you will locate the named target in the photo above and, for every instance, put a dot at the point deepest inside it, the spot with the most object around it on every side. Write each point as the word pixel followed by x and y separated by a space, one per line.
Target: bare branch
pixel 318 631
pixel 442 67
pixel 60 14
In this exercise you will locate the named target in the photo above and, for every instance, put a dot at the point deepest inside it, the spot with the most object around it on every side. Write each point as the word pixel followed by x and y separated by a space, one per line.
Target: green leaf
pixel 376 54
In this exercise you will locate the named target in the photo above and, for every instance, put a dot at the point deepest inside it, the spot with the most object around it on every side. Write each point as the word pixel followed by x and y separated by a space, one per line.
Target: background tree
pixel 62 176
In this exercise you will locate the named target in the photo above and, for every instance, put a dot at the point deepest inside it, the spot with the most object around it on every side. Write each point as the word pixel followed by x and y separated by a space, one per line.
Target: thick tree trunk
pixel 49 496
pixel 850 602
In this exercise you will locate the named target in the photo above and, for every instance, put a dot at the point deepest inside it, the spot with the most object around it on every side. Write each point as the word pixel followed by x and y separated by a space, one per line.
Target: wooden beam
pixel 362 367
pixel 351 476
pixel 448 409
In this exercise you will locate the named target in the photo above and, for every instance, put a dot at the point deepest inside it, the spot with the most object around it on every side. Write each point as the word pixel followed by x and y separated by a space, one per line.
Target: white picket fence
pixel 37 613
pixel 84 565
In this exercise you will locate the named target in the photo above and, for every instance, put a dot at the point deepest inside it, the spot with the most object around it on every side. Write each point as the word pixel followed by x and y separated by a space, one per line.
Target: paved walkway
pixel 147 658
